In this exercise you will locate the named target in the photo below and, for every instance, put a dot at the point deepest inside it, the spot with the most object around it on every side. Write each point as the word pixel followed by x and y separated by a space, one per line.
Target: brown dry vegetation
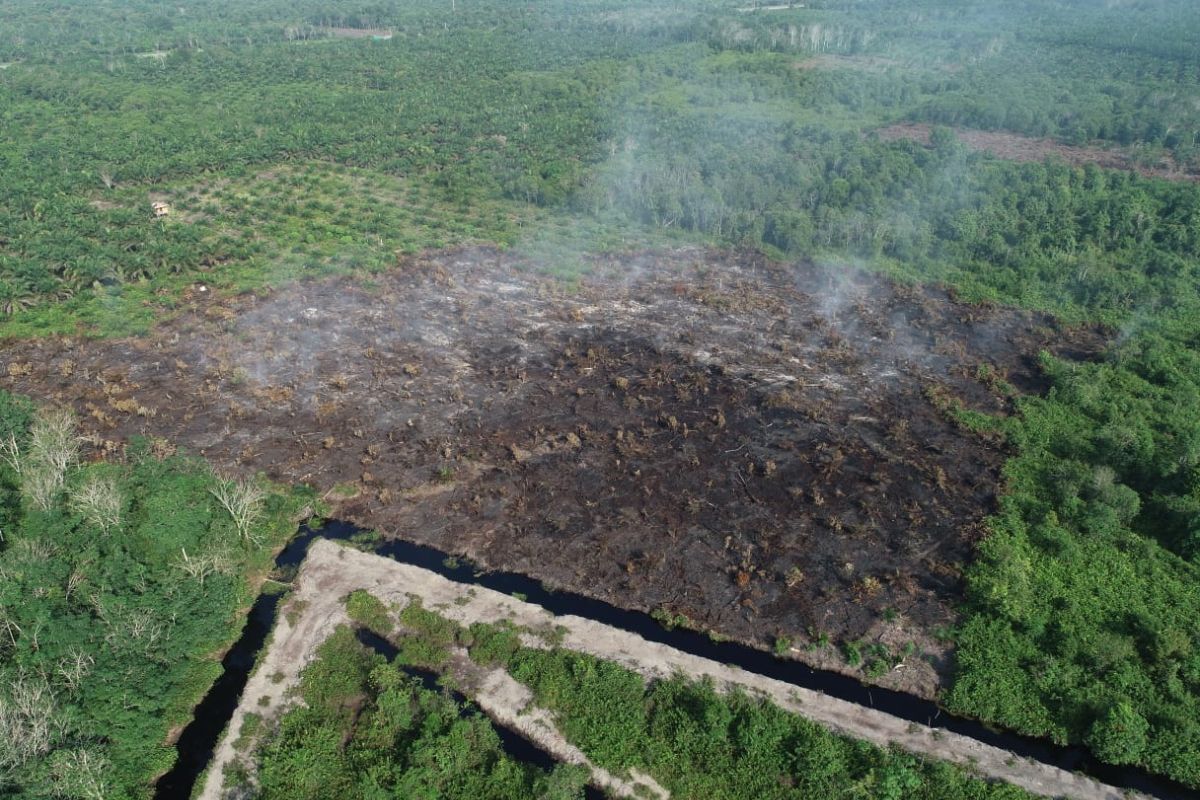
pixel 764 449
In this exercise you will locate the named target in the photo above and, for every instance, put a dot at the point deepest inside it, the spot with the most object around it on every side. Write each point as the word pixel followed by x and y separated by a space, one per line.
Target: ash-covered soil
pixel 762 448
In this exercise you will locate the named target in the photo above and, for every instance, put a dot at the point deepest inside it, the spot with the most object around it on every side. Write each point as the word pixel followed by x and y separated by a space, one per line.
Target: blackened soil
pixel 768 450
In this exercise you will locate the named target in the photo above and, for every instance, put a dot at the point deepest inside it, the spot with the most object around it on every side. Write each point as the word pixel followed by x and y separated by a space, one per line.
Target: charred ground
pixel 763 449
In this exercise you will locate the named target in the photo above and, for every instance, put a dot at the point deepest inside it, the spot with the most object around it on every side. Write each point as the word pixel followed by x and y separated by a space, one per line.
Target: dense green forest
pixel 120 584
pixel 560 128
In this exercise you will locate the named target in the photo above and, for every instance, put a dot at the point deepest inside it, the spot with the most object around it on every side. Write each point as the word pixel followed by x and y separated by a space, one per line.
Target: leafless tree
pixel 52 439
pixel 243 500
pixel 30 550
pixel 73 668
pixel 76 579
pixel 142 628
pixel 80 774
pixel 53 449
pixel 10 451
pixel 29 722
pixel 99 502
pixel 200 567
pixel 10 631
pixel 42 485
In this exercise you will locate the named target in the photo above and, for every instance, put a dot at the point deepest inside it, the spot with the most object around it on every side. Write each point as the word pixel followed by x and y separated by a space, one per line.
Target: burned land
pixel 768 450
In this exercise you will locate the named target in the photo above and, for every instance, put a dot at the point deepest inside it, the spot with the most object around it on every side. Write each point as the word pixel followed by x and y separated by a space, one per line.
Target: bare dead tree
pixel 52 439
pixel 53 449
pixel 73 668
pixel 42 486
pixel 76 579
pixel 28 722
pixel 9 629
pixel 243 500
pixel 200 567
pixel 10 451
pixel 99 502
pixel 34 550
pixel 137 627
pixel 80 773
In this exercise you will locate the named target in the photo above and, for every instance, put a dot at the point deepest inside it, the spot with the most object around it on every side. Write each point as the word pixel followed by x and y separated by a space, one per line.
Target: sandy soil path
pixel 332 571
pixel 510 703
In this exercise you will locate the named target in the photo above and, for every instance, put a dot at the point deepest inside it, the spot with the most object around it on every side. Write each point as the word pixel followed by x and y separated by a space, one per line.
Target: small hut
pixel 161 209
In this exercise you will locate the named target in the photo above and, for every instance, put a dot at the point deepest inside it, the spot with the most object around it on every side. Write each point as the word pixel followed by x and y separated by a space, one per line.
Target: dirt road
pixel 332 571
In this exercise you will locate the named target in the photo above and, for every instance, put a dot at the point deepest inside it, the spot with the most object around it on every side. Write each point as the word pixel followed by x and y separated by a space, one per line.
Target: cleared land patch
pixel 358 33
pixel 834 61
pixel 1014 147
pixel 769 452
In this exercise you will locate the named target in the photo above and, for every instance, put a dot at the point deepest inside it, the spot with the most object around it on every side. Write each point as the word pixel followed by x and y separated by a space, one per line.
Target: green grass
pixel 698 742
pixel 370 612
pixel 366 729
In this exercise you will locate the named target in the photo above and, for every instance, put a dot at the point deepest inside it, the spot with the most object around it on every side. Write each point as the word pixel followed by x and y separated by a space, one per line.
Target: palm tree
pixel 80 274
pixel 133 267
pixel 15 296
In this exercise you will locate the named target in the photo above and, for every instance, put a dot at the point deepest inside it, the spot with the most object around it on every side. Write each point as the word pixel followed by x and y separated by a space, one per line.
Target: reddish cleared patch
pixel 1014 147
pixel 358 33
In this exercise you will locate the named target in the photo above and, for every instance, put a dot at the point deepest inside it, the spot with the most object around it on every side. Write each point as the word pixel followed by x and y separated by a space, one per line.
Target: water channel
pixel 198 740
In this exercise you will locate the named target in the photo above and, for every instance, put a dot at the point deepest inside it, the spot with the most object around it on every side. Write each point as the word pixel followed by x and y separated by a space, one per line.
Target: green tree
pixel 1120 735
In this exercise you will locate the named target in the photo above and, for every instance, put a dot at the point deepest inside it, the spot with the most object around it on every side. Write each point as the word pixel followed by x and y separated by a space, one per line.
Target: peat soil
pixel 762 449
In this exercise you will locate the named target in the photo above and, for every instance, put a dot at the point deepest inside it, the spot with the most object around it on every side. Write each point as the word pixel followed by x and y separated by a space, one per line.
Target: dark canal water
pixel 198 740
